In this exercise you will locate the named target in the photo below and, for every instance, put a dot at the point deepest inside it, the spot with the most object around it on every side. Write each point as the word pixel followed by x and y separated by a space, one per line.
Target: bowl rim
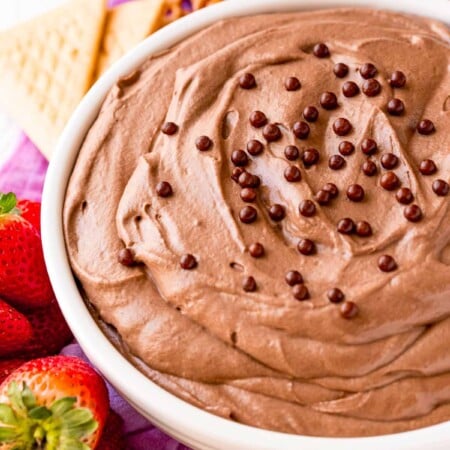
pixel 189 424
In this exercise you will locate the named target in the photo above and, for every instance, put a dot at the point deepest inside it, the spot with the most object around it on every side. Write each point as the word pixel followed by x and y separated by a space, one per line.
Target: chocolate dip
pixel 262 215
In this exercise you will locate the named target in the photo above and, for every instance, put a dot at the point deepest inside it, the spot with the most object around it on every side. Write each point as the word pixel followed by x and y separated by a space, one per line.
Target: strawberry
pixel 55 403
pixel 15 330
pixel 23 277
pixel 31 211
pixel 112 437
pixel 8 366
pixel 50 332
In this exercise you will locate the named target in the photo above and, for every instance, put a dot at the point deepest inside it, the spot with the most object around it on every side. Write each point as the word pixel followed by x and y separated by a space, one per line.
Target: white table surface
pixel 11 13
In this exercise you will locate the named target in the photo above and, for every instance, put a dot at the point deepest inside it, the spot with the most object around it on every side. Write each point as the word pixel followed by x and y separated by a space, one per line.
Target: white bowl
pixel 191 425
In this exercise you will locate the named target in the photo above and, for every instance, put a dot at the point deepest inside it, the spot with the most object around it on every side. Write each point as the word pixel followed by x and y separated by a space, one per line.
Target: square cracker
pixel 126 26
pixel 47 65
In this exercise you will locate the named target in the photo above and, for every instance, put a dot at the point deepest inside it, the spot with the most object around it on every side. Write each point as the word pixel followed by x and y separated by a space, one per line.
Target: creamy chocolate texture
pixel 320 314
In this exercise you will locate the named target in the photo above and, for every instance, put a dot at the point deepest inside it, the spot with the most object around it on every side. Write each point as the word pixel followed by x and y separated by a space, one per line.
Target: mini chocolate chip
pixel 342 126
pixel 369 168
pixel 335 295
pixel 404 196
pixel 348 310
pixel 239 158
pixel 389 181
pixel 291 152
pixel 169 128
pixel 277 212
pixel 237 172
pixel 440 187
pixel 258 119
pixel 256 250
pixel 413 213
pixel 300 292
pixel 311 113
pixel 293 277
pixel 306 247
pixel 247 81
pixel 307 208
pixel 272 132
pixel 355 193
pixel 398 79
pixel 350 89
pixel 310 157
pixel 292 174
pixel 203 143
pixel 363 229
pixel 387 263
pixel 389 161
pixel 301 130
pixel 249 284
pixel 255 147
pixel 164 189
pixel 323 197
pixel 427 167
pixel 248 214
pixel 188 262
pixel 247 179
pixel 321 50
pixel 371 87
pixel 346 226
pixel 336 162
pixel 332 189
pixel 395 107
pixel 292 84
pixel 426 127
pixel 369 146
pixel 368 70
pixel 248 195
pixel 346 148
pixel 328 101
pixel 340 70
pixel 126 257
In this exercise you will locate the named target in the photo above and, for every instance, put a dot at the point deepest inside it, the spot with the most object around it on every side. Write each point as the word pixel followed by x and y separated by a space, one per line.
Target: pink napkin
pixel 24 174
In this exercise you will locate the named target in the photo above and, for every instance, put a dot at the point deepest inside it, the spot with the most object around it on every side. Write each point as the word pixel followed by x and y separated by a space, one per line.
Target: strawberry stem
pixel 27 425
pixel 8 203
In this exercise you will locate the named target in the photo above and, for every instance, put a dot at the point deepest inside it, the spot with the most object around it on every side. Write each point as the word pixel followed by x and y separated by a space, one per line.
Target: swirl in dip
pixel 261 214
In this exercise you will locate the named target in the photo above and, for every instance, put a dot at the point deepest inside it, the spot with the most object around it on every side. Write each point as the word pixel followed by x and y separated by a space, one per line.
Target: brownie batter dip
pixel 261 214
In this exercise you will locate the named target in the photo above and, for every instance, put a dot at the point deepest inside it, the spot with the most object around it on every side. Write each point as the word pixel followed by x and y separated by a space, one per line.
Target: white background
pixel 12 12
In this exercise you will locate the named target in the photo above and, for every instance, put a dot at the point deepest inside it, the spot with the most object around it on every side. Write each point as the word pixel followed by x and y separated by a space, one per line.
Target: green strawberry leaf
pixel 28 398
pixel 15 397
pixel 63 405
pixel 7 202
pixel 7 415
pixel 40 413
pixel 8 434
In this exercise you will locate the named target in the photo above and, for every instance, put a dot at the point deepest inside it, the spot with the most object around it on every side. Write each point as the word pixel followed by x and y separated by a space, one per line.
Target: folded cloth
pixel 24 175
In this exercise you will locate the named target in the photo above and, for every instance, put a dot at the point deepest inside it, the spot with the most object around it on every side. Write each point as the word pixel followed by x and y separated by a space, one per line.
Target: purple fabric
pixel 25 171
pixel 24 175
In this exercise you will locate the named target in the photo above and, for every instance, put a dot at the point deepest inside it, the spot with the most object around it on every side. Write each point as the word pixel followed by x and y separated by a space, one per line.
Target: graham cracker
pixel 126 26
pixel 47 65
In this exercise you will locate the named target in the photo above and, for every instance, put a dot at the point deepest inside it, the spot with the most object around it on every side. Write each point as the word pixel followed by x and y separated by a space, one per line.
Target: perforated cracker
pixel 126 26
pixel 47 65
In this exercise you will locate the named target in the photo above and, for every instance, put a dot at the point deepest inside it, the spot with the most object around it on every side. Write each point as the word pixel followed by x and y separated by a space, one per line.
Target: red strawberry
pixel 8 366
pixel 15 330
pixel 112 437
pixel 23 277
pixel 58 402
pixel 50 332
pixel 31 211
